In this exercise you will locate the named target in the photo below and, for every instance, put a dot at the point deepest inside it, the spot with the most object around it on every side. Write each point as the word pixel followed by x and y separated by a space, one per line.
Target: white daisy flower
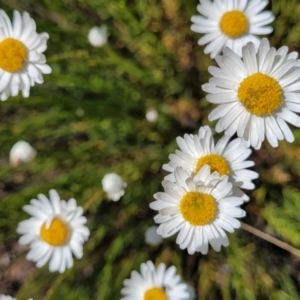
pixel 154 284
pixel 114 186
pixel 21 152
pixel 226 158
pixel 55 231
pixel 200 208
pixel 98 36
pixel 256 94
pixel 22 61
pixel 151 236
pixel 231 23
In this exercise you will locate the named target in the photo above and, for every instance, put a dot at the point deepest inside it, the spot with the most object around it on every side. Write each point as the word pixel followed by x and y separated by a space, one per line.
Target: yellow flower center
pixel 234 23
pixel 198 209
pixel 260 94
pixel 155 294
pixel 12 55
pixel 57 234
pixel 216 163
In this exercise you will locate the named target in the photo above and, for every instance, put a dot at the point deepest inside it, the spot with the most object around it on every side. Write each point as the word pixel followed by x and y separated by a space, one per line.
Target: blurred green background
pixel 88 119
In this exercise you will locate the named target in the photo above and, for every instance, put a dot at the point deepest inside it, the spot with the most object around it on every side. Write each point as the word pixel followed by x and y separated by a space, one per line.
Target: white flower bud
pixel 21 152
pixel 152 238
pixel 151 115
pixel 114 186
pixel 98 36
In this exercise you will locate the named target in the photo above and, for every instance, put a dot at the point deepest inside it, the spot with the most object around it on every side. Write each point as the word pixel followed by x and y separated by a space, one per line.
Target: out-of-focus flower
pixel 230 23
pixel 98 36
pixel 21 152
pixel 152 283
pixel 257 95
pixel 199 208
pixel 114 186
pixel 151 236
pixel 151 115
pixel 55 231
pixel 22 61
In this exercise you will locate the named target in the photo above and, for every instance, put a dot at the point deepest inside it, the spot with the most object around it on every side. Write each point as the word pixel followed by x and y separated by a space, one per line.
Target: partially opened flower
pixel 114 186
pixel 200 208
pixel 256 95
pixel 55 231
pixel 154 284
pixel 98 36
pixel 21 152
pixel 231 23
pixel 227 158
pixel 22 61
pixel 152 238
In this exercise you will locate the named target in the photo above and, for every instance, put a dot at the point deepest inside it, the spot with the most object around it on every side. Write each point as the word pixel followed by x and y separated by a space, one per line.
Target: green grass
pixel 151 60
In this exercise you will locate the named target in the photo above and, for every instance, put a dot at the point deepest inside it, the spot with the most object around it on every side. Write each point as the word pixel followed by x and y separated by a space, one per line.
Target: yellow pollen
pixel 260 94
pixel 155 294
pixel 12 55
pixel 216 163
pixel 198 209
pixel 234 23
pixel 57 234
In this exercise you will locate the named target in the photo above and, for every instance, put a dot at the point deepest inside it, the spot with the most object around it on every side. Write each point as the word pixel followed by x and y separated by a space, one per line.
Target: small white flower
pixel 21 152
pixel 98 36
pixel 151 115
pixel 22 61
pixel 114 186
pixel 152 283
pixel 256 94
pixel 227 158
pixel 231 23
pixel 55 231
pixel 151 236
pixel 200 208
